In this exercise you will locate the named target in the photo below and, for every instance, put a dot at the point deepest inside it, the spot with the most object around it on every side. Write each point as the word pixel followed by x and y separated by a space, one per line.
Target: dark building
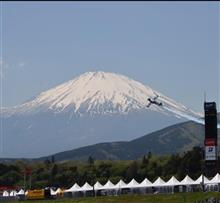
pixel 211 139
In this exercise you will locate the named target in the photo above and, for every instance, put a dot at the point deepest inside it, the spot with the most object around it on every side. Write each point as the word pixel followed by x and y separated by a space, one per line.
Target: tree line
pixel 50 173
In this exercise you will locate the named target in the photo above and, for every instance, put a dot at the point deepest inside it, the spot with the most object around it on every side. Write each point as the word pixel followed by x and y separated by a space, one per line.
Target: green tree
pixel 52 159
pixel 132 171
pixel 149 155
pixel 91 161
pixel 54 170
pixel 144 160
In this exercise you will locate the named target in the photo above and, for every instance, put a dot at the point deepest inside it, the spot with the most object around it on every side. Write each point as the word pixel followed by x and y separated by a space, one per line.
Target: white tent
pixel 145 183
pixel 58 191
pixel 200 180
pixel 21 192
pixel 121 184
pixel 158 183
pixel 74 188
pixel 172 182
pixel 214 180
pixel 5 194
pixel 108 186
pixel 13 193
pixel 133 184
pixel 187 181
pixel 86 187
pixel 52 192
pixel 98 186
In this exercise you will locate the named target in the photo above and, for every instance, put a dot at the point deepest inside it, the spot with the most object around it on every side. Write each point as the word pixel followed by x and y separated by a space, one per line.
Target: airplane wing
pixel 156 97
pixel 148 104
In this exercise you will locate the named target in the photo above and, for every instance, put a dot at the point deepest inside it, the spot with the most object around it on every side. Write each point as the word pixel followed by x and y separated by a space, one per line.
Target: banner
pixel 210 142
pixel 210 153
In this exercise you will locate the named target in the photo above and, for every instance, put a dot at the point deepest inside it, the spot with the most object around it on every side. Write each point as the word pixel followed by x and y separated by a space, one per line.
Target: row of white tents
pixel 158 183
pixel 14 193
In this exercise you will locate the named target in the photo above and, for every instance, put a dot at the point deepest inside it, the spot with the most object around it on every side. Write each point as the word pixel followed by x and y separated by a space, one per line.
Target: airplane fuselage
pixel 155 102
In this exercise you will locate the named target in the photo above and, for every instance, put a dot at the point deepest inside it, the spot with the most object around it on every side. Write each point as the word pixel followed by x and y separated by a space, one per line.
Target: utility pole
pixel 24 180
pixel 30 180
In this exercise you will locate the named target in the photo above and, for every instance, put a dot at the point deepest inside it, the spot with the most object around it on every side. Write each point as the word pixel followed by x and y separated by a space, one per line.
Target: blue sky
pixel 171 46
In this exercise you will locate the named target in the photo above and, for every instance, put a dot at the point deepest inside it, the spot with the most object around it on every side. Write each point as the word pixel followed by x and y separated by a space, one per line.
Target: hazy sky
pixel 171 46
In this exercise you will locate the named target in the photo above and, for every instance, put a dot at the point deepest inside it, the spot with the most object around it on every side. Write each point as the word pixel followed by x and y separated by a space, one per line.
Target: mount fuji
pixel 94 107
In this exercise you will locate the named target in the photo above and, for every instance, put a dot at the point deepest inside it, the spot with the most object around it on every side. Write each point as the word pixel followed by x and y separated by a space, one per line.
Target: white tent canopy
pixel 158 183
pixel 52 192
pixel 145 183
pixel 98 186
pixel 13 193
pixel 172 182
pixel 108 186
pixel 86 187
pixel 200 180
pixel 74 188
pixel 58 191
pixel 133 184
pixel 121 184
pixel 5 194
pixel 215 179
pixel 187 181
pixel 21 192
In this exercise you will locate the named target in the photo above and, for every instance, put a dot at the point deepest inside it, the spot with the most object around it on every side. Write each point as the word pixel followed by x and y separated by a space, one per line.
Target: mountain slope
pixel 173 139
pixel 176 138
pixel 94 107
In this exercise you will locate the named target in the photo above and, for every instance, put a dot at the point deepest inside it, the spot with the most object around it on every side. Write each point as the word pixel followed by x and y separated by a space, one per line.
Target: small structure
pixel 21 194
pixel 120 186
pixel 214 183
pixel 145 186
pixel 186 184
pixel 158 185
pixel 97 188
pixel 109 188
pixel 172 185
pixel 5 194
pixel 87 189
pixel 133 185
pixel 73 190
pixel 13 193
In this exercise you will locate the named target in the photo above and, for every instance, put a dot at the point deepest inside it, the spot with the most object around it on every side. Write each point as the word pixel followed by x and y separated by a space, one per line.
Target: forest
pixel 49 173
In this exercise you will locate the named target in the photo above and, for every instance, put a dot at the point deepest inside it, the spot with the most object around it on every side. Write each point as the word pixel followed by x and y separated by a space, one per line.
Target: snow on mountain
pixel 101 93
pixel 94 107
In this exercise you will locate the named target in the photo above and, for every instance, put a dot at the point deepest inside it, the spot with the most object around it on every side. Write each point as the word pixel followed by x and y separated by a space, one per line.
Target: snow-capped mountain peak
pixel 101 93
pixel 94 107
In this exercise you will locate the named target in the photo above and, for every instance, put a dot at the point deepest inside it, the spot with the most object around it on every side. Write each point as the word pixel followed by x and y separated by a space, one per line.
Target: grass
pixel 158 198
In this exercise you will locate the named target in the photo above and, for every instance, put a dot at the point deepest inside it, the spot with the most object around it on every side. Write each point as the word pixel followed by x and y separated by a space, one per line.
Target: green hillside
pixel 176 138
pixel 173 139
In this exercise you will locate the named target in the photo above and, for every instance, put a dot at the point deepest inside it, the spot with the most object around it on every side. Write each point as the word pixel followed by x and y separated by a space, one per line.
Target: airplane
pixel 153 101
